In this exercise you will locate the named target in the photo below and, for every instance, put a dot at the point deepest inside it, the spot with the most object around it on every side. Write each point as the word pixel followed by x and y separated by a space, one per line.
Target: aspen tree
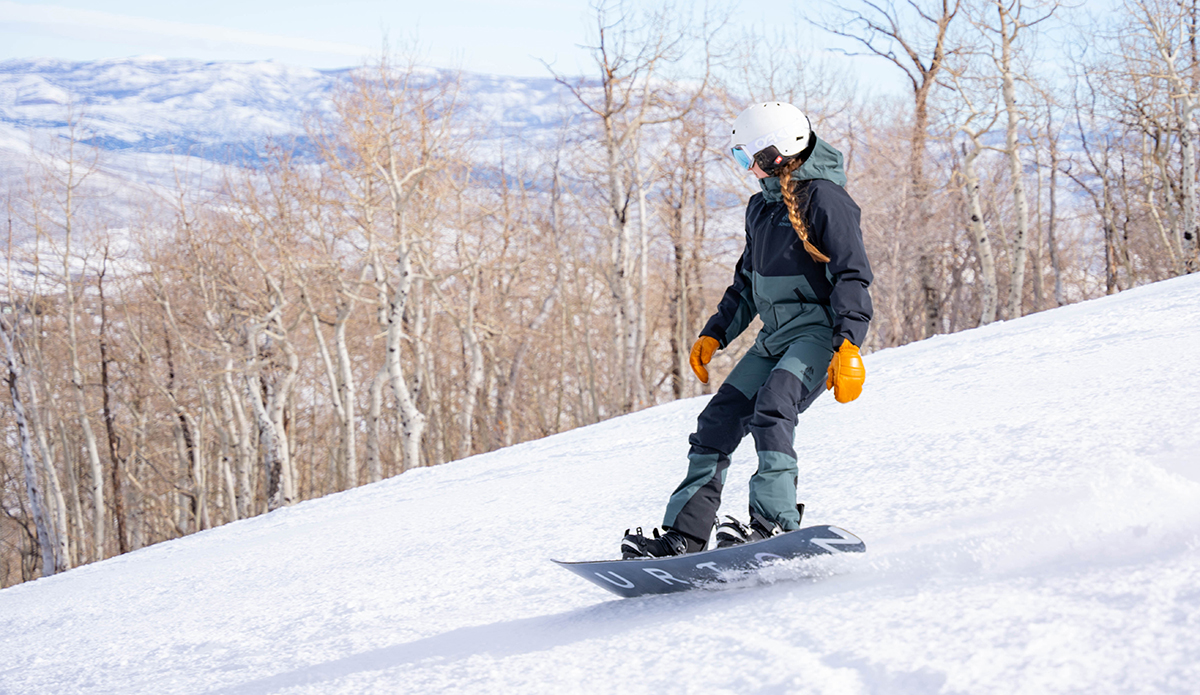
pixel 66 172
pixel 1099 161
pixel 1170 27
pixel 919 48
pixel 33 488
pixel 631 56
pixel 1012 24
pixel 106 389
pixel 395 131
pixel 550 227
pixel 988 287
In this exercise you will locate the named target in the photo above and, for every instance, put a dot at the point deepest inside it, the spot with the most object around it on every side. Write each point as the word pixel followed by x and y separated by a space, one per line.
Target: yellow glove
pixel 846 373
pixel 702 352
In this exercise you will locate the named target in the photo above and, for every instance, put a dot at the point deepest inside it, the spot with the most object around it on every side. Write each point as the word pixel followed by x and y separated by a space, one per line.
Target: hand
pixel 846 373
pixel 702 352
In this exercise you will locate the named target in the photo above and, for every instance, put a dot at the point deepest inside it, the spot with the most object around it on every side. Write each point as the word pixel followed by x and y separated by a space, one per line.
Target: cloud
pixel 125 28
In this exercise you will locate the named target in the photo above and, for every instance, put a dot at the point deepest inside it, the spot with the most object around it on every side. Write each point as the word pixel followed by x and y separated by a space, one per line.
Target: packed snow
pixel 1029 493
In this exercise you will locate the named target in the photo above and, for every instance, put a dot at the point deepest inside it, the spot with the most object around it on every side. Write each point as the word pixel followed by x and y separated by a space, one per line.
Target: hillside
pixel 1029 493
pixel 157 105
pixel 151 118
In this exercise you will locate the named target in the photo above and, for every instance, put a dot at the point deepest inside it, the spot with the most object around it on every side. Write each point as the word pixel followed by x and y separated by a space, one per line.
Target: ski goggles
pixel 742 157
pixel 768 159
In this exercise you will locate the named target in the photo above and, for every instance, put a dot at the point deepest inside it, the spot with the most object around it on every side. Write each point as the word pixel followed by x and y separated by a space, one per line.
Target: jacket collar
pixel 772 192
pixel 826 162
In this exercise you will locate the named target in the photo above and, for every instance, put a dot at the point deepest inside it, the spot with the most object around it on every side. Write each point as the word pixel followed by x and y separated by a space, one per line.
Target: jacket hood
pixel 826 162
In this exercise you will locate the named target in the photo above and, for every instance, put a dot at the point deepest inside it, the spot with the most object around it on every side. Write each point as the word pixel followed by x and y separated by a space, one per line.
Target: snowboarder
pixel 805 272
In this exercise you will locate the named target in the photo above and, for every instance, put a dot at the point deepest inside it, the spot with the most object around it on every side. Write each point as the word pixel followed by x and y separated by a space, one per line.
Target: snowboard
pixel 667 575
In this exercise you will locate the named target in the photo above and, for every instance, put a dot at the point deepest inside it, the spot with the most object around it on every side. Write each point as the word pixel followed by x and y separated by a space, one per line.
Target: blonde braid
pixel 793 210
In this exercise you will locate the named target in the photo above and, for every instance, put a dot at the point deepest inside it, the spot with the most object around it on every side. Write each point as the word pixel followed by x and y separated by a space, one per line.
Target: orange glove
pixel 846 373
pixel 702 352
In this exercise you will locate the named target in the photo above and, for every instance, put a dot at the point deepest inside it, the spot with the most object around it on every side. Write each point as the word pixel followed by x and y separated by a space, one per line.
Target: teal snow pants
pixel 763 395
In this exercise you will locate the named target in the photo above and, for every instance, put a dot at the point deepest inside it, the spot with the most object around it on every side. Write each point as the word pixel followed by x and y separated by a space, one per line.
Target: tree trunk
pixel 100 508
pixel 1187 152
pixel 624 302
pixel 269 399
pixel 348 396
pixel 640 394
pixel 58 502
pixel 110 424
pixel 920 215
pixel 1051 227
pixel 473 356
pixel 1020 247
pixel 988 290
pixel 375 412
pixel 412 420
pixel 47 543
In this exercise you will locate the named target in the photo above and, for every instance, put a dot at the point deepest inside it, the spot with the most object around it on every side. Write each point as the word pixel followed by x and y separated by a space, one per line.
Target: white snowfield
pixel 1029 494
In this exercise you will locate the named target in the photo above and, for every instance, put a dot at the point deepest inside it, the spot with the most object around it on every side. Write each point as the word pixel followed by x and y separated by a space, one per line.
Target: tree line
pixel 408 291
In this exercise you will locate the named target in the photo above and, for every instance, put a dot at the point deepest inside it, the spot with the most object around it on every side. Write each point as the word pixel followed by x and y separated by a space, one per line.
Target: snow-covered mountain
pixel 188 106
pixel 1029 493
pixel 152 117
pixel 155 105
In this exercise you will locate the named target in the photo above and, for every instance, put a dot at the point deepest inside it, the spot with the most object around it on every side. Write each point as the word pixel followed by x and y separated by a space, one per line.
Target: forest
pixel 403 292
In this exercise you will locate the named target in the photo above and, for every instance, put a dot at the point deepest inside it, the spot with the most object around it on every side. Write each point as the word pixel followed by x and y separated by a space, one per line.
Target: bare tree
pixel 33 489
pixel 397 128
pixel 1012 25
pixel 106 390
pixel 1100 167
pixel 1050 134
pixel 916 40
pixel 976 123
pixel 1170 29
pixel 631 55
pixel 65 173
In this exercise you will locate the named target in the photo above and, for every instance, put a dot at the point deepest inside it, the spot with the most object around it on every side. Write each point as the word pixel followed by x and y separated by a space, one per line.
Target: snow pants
pixel 763 395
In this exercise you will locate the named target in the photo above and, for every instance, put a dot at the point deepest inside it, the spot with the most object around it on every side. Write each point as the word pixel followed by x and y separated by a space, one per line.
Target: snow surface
pixel 1029 493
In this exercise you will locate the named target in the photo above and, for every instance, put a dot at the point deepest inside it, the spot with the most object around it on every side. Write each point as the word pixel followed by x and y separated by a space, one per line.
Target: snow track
pixel 1029 493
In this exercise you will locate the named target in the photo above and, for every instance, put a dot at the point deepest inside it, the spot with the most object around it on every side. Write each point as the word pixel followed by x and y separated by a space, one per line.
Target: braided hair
pixel 793 207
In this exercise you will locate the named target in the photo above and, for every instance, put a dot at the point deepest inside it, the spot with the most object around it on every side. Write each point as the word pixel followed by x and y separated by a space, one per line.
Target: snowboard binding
pixel 734 532
pixel 668 544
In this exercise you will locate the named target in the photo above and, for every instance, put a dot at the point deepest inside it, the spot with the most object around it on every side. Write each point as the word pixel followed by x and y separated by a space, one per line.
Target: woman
pixel 805 272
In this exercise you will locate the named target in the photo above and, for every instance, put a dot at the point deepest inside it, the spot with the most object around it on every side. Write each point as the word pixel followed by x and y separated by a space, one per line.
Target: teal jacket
pixel 800 299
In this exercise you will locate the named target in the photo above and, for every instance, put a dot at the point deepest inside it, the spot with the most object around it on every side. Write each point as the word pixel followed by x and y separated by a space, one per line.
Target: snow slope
pixel 1029 493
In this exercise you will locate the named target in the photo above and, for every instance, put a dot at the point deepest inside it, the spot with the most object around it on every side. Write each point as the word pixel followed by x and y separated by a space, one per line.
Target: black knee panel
pixel 780 400
pixel 724 422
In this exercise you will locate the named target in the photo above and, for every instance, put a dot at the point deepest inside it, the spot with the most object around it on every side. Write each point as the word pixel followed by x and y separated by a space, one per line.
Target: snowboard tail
pixel 667 575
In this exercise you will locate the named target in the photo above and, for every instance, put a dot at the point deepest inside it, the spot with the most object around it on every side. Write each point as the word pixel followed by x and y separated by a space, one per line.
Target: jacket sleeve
pixel 737 308
pixel 835 222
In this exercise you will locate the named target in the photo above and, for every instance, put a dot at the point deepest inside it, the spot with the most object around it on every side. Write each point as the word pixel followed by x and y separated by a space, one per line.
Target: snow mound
pixel 1029 493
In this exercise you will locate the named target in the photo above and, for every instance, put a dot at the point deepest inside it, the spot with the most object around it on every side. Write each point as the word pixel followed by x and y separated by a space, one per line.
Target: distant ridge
pixel 159 105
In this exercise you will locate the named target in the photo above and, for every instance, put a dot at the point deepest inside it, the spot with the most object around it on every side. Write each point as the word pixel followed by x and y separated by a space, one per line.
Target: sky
pixel 505 37
pixel 510 37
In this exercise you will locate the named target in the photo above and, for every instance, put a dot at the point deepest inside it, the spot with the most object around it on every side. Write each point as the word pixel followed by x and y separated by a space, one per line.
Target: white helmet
pixel 781 128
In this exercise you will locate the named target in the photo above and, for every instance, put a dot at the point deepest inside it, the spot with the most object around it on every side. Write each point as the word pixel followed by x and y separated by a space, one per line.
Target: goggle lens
pixel 743 159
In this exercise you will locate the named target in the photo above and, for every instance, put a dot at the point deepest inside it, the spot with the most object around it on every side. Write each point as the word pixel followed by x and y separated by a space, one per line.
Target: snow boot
pixel 667 544
pixel 734 532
